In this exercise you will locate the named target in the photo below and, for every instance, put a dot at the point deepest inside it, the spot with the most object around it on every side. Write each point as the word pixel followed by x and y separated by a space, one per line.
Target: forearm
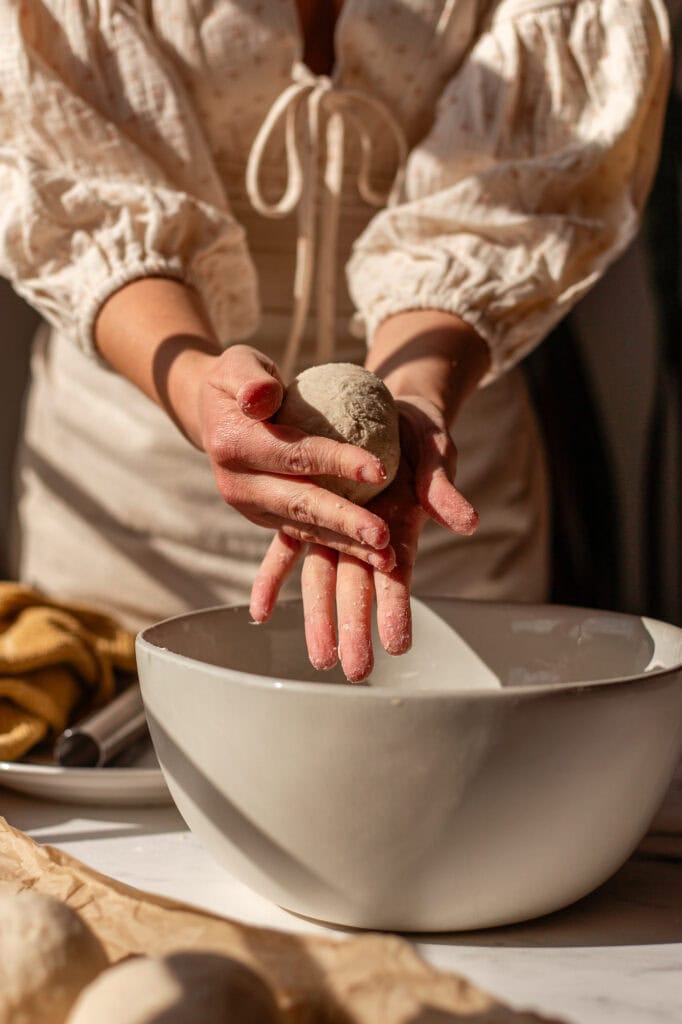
pixel 153 331
pixel 431 354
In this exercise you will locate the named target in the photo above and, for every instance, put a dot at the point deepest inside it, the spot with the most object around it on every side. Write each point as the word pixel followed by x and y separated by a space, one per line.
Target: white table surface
pixel 613 958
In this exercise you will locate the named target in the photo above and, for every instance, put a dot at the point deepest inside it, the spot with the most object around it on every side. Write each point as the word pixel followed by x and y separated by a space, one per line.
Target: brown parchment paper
pixel 365 979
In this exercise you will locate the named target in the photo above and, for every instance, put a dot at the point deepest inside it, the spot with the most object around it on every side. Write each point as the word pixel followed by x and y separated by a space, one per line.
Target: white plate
pixel 142 784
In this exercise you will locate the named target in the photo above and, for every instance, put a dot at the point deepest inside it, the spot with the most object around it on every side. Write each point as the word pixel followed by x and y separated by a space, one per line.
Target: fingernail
pixel 374 537
pixel 398 645
pixel 383 561
pixel 468 523
pixel 473 522
pixel 324 662
pixel 372 473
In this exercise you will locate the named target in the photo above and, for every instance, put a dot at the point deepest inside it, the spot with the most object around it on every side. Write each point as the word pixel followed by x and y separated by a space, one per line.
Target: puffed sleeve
pixel 532 178
pixel 105 175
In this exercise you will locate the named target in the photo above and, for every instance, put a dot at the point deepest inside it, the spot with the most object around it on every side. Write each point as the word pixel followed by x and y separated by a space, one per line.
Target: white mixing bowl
pixel 506 784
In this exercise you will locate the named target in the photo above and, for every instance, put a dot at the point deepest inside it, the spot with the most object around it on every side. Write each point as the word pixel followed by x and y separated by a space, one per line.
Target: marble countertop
pixel 613 958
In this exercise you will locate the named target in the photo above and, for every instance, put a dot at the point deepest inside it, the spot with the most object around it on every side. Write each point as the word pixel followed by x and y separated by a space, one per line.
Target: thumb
pixel 254 382
pixel 444 503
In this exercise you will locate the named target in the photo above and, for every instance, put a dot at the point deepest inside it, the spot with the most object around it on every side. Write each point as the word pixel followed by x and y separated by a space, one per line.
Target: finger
pixel 435 490
pixel 268 448
pixel 394 617
pixel 354 596
pixel 289 451
pixel 444 503
pixel 283 500
pixel 279 561
pixel 318 588
pixel 252 380
pixel 384 560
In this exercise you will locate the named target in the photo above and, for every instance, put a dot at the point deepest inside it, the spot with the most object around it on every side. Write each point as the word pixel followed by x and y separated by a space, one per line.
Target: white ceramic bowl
pixel 504 787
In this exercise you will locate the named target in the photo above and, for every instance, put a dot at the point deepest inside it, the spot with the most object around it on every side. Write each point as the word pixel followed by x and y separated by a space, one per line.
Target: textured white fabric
pixel 531 179
pixel 122 123
pixel 125 131
pixel 340 106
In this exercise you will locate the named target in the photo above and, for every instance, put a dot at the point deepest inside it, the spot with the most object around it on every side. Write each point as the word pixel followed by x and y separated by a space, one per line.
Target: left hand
pixel 422 489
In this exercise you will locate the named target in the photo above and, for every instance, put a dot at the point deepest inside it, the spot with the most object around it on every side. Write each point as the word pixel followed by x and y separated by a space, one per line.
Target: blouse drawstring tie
pixel 342 108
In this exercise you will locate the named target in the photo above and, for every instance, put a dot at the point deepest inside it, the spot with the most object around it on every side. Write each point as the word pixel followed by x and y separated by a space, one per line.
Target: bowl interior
pixel 456 645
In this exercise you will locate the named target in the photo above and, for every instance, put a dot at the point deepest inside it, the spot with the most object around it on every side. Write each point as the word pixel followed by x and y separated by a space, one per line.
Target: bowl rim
pixel 398 696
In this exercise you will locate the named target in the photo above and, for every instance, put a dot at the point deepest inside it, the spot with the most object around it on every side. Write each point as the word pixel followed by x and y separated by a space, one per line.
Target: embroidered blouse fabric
pixel 531 131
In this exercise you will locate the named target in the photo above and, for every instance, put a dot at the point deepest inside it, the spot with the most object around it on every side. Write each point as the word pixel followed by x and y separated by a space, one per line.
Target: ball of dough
pixel 47 955
pixel 183 988
pixel 346 403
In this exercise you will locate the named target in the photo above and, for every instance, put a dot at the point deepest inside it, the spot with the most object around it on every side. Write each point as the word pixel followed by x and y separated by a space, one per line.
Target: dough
pixel 347 403
pixel 183 988
pixel 47 955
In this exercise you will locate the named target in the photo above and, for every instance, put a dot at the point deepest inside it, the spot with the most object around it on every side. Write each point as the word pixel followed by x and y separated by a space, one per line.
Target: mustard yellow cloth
pixel 52 655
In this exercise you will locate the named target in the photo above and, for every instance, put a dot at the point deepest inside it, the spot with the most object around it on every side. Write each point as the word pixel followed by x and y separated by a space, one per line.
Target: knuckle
pixel 213 443
pixel 300 458
pixel 298 508
pixel 232 354
pixel 220 445
pixel 230 490
pixel 297 534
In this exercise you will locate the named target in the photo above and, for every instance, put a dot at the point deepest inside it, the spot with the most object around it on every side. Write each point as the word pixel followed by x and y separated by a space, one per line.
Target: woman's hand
pixel 263 470
pixel 340 587
pixel 431 361
pixel 154 332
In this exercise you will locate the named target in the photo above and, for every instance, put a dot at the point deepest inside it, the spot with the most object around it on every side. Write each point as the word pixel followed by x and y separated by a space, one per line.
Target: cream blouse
pixel 513 141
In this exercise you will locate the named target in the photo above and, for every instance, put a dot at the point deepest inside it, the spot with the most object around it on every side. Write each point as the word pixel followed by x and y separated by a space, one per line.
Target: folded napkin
pixel 53 657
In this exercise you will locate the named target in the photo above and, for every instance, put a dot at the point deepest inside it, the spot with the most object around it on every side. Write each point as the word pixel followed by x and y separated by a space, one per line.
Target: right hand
pixel 266 471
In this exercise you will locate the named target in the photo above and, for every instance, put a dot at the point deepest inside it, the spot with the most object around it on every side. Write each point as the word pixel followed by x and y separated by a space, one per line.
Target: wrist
pixel 429 353
pixel 154 332
pixel 187 367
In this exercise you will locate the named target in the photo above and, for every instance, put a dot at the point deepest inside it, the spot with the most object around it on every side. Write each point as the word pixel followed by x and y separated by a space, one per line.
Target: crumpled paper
pixel 365 979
